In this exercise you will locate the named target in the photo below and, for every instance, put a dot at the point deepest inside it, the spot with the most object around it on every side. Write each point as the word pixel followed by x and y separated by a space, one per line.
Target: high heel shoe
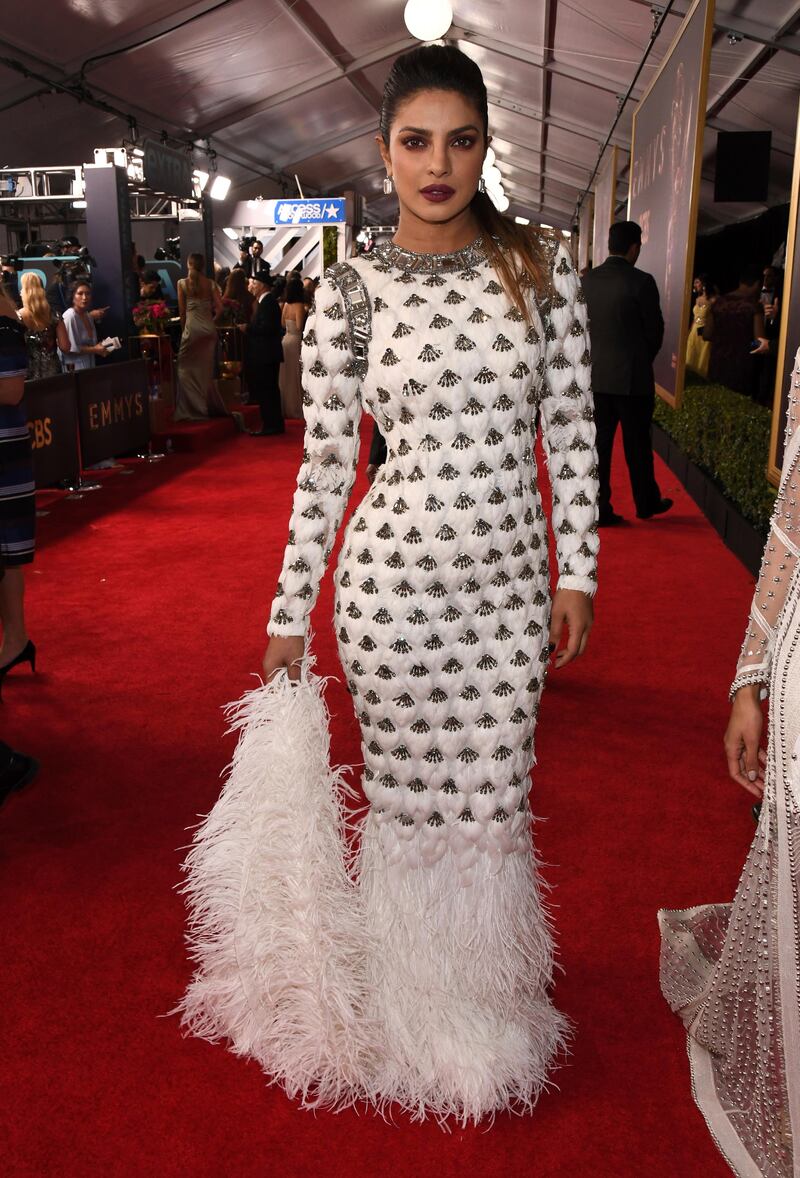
pixel 26 655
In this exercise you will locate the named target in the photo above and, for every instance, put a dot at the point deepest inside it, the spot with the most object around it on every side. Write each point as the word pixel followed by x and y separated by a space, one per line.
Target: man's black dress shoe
pixel 659 509
pixel 611 520
pixel 18 771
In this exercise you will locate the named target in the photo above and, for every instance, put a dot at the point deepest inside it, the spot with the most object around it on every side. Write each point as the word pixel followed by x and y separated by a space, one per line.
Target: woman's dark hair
pixel 278 286
pixel 295 292
pixel 708 285
pixel 77 284
pixel 236 286
pixel 514 251
pixel 750 274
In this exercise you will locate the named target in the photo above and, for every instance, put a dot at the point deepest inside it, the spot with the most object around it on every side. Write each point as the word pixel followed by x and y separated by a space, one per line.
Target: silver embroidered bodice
pixel 442 587
pixel 779 561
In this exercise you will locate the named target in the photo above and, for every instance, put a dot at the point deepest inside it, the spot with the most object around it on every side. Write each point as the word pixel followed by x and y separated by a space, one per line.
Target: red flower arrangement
pixel 151 317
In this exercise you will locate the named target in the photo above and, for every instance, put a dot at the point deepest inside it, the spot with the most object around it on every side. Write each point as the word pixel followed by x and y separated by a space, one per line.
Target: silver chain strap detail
pixel 358 309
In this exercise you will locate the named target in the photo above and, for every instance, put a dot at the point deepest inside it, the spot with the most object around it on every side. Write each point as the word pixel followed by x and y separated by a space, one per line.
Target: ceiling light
pixel 428 20
pixel 522 220
pixel 543 226
pixel 79 204
pixel 231 233
pixel 219 189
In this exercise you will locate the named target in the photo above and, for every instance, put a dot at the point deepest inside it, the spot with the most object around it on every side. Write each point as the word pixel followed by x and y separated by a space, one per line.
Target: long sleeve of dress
pixel 569 431
pixel 332 410
pixel 779 561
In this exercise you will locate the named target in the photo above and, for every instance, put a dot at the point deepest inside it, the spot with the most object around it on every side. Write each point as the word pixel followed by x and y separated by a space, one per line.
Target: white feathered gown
pixel 442 612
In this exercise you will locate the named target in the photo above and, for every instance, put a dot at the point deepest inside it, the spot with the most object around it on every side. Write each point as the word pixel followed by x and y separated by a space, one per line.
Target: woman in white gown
pixel 444 619
pixel 732 970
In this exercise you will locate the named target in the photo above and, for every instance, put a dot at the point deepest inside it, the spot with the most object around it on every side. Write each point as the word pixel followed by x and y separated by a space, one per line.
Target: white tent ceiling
pixel 293 86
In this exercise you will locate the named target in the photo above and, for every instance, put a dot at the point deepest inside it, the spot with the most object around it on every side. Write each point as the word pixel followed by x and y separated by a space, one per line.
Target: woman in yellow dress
pixel 698 350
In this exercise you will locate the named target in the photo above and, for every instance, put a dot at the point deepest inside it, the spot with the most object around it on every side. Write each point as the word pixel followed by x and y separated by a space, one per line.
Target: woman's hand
pixel 99 350
pixel 574 610
pixel 284 652
pixel 742 739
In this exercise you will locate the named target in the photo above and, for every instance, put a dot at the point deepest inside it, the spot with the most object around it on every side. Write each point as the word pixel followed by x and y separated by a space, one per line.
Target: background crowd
pixel 61 326
pixel 733 336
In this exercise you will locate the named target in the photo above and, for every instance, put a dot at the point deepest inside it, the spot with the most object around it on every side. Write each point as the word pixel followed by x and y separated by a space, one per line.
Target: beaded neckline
pixel 390 254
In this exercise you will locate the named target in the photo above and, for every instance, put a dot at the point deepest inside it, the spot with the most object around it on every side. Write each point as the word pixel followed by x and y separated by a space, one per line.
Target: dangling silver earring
pixel 481 185
pixel 388 186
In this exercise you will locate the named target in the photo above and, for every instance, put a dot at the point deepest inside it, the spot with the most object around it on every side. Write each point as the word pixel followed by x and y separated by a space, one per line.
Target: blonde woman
pixel 40 329
pixel 199 301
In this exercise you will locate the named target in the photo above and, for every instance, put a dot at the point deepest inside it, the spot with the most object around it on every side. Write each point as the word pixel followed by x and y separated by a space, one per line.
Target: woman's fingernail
pixel 752 775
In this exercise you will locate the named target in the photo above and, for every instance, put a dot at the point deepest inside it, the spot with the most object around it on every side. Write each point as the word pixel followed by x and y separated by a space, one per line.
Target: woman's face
pixel 82 298
pixel 435 154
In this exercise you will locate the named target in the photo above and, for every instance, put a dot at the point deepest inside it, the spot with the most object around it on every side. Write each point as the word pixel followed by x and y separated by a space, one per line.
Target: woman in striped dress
pixel 17 508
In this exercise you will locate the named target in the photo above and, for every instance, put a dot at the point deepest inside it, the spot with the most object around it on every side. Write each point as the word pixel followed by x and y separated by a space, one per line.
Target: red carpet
pixel 148 602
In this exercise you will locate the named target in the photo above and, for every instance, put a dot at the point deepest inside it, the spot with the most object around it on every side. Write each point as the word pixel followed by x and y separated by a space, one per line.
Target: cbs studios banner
pixel 78 419
pixel 666 155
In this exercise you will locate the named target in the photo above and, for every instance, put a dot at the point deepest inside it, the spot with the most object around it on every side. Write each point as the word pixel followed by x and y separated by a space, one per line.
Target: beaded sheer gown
pixel 732 971
pixel 442 613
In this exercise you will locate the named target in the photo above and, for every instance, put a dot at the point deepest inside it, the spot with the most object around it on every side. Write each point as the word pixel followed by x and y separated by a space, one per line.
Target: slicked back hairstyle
pixel 514 250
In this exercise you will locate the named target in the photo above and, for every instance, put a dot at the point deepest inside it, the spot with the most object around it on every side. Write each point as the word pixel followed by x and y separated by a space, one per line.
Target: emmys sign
pixel 666 155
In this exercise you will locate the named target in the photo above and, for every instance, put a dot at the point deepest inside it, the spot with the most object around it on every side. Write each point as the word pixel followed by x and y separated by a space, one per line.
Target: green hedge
pixel 728 436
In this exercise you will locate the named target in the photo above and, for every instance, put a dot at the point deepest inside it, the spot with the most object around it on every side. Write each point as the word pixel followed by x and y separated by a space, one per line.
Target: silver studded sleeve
pixel 568 427
pixel 332 406
pixel 779 563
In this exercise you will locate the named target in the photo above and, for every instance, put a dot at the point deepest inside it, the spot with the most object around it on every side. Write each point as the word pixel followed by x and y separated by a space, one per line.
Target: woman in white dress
pixel 731 970
pixel 445 623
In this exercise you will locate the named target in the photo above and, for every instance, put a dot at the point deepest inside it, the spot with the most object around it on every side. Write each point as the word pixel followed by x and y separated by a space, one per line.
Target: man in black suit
pixel 263 355
pixel 627 330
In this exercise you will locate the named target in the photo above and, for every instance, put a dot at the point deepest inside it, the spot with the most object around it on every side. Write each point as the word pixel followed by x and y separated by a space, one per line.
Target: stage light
pixel 428 20
pixel 233 234
pixel 543 226
pixel 219 188
pixel 201 178
pixel 79 204
pixel 522 220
